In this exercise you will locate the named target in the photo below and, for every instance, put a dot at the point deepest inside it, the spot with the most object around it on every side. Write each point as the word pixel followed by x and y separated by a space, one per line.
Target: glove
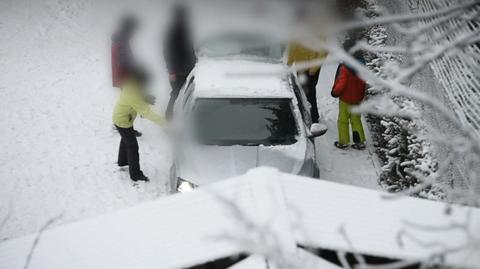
pixel 150 99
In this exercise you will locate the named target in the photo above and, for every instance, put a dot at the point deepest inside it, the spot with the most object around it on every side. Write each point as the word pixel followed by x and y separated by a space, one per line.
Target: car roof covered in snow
pixel 240 77
pixel 213 222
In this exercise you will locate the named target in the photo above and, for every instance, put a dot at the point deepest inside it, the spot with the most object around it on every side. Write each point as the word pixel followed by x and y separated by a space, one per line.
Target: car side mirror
pixel 317 130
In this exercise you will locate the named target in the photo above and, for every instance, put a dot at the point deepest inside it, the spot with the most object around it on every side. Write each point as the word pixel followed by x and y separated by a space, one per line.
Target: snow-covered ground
pixel 58 148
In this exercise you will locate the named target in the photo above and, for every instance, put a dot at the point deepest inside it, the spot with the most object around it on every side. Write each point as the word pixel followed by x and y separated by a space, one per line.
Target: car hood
pixel 207 164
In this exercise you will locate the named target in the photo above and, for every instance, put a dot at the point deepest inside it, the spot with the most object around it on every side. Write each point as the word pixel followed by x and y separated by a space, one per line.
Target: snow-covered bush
pixel 405 154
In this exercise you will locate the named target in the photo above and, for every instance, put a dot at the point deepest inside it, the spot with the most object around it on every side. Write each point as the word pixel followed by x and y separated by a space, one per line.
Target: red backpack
pixel 349 87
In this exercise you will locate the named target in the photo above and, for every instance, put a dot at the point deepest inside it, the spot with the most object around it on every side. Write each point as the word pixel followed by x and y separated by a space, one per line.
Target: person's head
pixel 180 12
pixel 140 75
pixel 348 45
pixel 128 25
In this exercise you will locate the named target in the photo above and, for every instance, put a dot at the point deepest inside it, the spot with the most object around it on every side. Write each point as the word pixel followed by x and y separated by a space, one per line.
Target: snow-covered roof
pixel 189 229
pixel 235 77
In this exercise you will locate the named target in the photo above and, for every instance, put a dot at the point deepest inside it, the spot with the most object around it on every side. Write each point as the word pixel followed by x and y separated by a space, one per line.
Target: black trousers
pixel 176 87
pixel 310 88
pixel 128 152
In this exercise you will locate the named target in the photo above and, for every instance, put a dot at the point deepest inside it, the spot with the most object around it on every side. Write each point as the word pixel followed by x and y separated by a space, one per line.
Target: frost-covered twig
pixel 420 54
pixel 391 85
pixel 361 261
pixel 408 17
pixel 36 241
pixel 460 42
pixel 260 240
pixel 392 265
pixel 6 218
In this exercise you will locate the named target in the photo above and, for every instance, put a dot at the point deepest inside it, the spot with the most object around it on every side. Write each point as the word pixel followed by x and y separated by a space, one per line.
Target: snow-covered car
pixel 234 115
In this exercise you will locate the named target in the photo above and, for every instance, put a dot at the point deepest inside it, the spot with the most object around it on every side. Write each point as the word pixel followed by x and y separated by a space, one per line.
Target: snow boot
pixel 359 146
pixel 141 178
pixel 340 146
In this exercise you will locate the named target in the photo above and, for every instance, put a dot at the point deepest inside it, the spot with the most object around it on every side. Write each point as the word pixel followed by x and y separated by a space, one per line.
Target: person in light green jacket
pixel 132 101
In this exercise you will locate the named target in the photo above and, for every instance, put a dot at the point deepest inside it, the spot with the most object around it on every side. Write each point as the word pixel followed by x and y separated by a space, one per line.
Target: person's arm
pixel 340 82
pixel 319 55
pixel 138 104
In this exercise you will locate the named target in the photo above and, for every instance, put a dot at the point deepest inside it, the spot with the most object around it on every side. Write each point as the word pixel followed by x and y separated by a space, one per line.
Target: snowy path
pixel 352 167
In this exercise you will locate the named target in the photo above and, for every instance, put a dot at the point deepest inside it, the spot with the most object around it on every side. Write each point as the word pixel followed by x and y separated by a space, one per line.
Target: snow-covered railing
pixel 264 213
pixel 459 72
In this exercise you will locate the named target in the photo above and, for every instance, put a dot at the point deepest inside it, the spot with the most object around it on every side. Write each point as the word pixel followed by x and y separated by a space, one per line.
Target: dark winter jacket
pixel 122 58
pixel 349 87
pixel 178 50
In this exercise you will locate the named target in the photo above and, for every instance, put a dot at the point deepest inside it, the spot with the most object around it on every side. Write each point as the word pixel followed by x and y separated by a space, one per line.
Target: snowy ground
pixel 58 146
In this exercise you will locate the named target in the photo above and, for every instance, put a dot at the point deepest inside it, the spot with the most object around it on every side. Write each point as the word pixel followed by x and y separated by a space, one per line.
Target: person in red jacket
pixel 122 58
pixel 350 89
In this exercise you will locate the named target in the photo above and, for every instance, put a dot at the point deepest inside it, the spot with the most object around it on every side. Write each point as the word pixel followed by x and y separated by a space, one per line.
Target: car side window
pixel 301 99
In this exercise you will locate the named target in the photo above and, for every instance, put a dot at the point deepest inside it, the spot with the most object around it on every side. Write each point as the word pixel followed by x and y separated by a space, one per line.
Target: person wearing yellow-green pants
pixel 350 89
pixel 345 118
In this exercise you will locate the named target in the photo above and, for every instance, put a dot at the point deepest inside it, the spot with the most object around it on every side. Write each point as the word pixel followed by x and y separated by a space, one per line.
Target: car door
pixel 304 107
pixel 179 130
pixel 303 104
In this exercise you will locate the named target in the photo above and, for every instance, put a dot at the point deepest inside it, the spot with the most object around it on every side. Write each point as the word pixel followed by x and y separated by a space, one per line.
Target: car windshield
pixel 235 45
pixel 249 122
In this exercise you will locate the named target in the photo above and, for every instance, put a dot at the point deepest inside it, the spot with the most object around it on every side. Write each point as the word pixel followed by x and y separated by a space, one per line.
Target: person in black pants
pixel 298 54
pixel 128 153
pixel 133 101
pixel 310 86
pixel 179 54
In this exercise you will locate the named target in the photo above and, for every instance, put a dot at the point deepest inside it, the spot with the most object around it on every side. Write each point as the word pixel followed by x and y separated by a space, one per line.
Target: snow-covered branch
pixel 37 239
pixel 421 45
pixel 408 17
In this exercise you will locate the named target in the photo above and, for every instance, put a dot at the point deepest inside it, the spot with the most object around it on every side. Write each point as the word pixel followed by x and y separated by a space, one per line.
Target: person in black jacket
pixel 179 54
